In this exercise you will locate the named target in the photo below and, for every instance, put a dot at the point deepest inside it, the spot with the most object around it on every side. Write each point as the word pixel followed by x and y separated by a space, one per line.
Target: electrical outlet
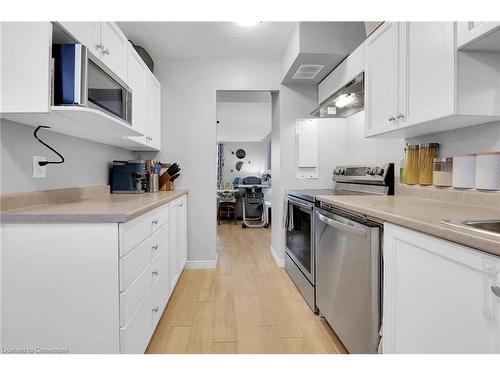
pixel 38 170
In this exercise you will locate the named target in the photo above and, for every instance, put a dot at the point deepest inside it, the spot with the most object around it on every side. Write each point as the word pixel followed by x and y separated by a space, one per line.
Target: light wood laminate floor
pixel 245 305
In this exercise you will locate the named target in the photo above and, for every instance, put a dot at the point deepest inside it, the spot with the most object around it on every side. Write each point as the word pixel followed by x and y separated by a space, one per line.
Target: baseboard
pixel 196 264
pixel 279 261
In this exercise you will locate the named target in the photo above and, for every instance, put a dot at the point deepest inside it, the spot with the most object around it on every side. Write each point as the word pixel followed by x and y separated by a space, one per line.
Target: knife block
pixel 165 183
pixel 168 186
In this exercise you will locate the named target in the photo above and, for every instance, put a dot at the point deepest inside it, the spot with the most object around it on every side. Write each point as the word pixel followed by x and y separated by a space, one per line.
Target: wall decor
pixel 240 153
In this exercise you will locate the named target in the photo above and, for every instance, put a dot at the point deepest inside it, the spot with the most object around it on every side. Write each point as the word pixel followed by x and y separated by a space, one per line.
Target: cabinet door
pixel 381 77
pixel 25 67
pixel 115 49
pixel 427 72
pixel 153 110
pixel 469 32
pixel 181 236
pixel 173 245
pixel 87 33
pixel 137 82
pixel 178 238
pixel 438 296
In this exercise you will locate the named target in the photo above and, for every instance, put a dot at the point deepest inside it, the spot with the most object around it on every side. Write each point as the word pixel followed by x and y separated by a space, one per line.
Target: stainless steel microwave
pixel 81 79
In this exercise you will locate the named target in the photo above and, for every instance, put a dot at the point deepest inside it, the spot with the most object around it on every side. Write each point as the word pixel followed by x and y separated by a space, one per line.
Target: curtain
pixel 220 163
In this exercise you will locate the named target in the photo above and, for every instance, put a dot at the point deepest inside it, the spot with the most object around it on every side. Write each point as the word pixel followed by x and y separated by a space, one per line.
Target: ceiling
pixel 209 39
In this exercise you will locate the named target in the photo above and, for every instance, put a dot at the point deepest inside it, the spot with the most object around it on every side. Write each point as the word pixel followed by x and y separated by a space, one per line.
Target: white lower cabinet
pixel 90 288
pixel 438 296
pixel 178 238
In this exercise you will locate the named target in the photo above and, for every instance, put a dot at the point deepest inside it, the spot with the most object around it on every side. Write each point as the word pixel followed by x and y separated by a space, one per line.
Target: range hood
pixel 347 101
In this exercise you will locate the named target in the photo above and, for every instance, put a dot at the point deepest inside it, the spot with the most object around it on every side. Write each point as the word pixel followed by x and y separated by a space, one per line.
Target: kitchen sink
pixel 484 226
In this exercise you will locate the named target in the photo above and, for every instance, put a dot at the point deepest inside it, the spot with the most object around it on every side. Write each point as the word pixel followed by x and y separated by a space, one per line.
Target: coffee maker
pixel 128 176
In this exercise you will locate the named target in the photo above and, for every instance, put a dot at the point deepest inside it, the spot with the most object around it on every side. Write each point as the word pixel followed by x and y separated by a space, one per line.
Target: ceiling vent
pixel 307 71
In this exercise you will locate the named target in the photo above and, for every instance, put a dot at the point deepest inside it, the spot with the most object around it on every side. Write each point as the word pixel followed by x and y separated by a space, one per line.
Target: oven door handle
pixel 342 226
pixel 299 204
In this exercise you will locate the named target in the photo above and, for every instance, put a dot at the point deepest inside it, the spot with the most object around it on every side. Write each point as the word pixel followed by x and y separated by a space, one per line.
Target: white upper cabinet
pixel 137 82
pixel 114 49
pixel 87 33
pixel 382 79
pixel 439 297
pixel 342 74
pixel 427 74
pixel 25 67
pixel 105 40
pixel 478 36
pixel 417 83
pixel 153 110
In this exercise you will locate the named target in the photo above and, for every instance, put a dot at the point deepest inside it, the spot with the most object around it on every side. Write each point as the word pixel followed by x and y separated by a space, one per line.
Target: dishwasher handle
pixel 342 226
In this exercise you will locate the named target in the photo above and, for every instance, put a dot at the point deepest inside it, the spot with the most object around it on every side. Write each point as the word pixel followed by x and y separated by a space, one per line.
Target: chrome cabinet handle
pixel 155 247
pixel 495 288
pixel 400 115
pixel 392 118
pixel 155 273
pixel 155 221
pixel 99 46
pixel 106 51
pixel 181 204
pixel 155 310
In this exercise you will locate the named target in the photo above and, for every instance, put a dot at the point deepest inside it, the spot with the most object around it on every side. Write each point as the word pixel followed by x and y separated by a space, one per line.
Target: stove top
pixel 311 194
pixel 354 180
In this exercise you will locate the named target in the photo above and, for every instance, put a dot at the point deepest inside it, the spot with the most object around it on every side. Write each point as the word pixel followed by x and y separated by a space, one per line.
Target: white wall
pixel 86 163
pixel 189 89
pixel 361 150
pixel 254 163
pixel 243 122
pixel 472 139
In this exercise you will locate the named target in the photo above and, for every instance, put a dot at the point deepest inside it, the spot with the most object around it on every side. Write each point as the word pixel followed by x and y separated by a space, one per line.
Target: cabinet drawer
pixel 159 239
pixel 159 297
pixel 159 217
pixel 135 231
pixel 134 262
pixel 132 297
pixel 160 263
pixel 134 337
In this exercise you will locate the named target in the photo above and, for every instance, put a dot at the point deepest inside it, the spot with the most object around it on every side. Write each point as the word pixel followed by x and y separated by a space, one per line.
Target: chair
pixel 226 202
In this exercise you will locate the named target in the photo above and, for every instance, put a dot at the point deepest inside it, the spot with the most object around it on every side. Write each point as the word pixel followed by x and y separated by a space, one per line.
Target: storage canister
pixel 412 165
pixel 428 152
pixel 464 171
pixel 442 171
pixel 488 170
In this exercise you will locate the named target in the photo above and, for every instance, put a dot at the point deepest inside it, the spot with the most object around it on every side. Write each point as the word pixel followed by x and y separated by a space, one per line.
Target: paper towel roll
pixel 464 171
pixel 488 171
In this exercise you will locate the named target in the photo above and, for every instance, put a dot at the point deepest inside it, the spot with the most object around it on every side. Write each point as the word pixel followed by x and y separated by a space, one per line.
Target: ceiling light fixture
pixel 249 23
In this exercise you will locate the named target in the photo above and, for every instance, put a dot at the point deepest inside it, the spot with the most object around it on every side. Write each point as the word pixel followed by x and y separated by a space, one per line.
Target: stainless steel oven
pixel 299 247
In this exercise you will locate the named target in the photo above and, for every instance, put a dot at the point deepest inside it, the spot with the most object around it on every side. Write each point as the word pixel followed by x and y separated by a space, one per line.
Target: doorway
pixel 244 153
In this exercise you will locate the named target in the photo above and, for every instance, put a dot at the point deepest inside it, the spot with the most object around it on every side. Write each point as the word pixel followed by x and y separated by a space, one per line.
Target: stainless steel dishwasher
pixel 348 276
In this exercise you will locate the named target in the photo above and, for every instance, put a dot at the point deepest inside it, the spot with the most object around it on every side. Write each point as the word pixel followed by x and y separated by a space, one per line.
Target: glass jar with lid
pixel 442 172
pixel 412 164
pixel 428 152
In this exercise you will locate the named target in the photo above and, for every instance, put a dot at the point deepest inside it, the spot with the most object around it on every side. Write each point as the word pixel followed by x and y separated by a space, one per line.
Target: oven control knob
pixel 379 171
pixel 368 170
pixel 341 171
pixel 335 171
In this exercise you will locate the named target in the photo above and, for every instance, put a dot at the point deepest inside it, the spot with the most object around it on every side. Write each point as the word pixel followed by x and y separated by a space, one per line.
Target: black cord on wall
pixel 43 163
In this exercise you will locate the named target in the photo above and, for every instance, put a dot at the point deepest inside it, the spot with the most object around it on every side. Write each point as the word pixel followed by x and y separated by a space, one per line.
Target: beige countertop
pixel 424 215
pixel 97 208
